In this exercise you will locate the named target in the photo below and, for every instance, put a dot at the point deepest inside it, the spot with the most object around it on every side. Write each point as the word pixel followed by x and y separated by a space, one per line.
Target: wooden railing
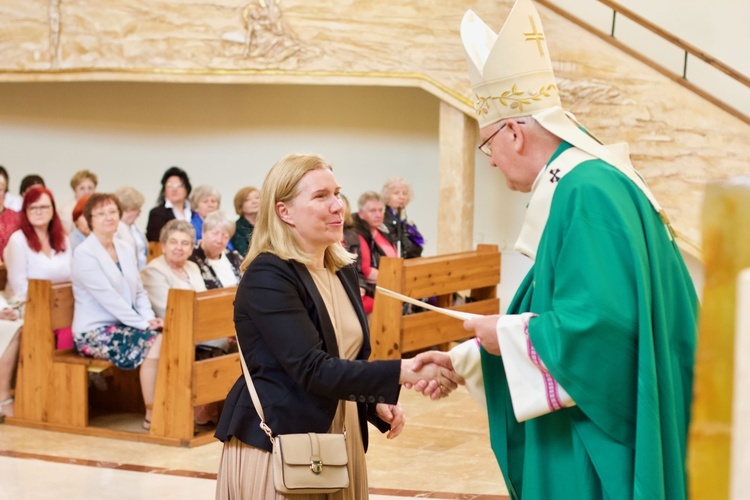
pixel 684 46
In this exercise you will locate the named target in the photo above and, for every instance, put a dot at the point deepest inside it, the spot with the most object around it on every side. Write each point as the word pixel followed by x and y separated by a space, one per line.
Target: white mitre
pixel 511 76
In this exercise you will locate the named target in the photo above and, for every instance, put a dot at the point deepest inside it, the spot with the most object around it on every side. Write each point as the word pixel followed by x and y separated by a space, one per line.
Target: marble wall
pixel 679 141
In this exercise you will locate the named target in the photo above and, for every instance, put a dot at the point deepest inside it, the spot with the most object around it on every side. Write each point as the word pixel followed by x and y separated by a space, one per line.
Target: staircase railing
pixel 684 46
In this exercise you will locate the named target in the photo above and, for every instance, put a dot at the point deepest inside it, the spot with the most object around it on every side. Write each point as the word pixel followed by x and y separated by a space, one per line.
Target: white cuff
pixel 533 391
pixel 467 362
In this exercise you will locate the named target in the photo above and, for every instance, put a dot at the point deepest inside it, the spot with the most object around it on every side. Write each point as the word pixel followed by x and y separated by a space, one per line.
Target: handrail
pixel 673 39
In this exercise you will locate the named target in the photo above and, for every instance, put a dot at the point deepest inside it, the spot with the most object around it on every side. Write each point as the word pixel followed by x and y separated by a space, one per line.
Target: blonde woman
pixel 304 335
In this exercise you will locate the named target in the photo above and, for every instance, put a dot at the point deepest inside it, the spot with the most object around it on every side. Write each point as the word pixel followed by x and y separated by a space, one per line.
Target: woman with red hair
pixel 39 249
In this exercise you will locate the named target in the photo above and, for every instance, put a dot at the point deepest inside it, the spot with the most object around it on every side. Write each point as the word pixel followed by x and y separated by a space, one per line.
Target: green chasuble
pixel 616 328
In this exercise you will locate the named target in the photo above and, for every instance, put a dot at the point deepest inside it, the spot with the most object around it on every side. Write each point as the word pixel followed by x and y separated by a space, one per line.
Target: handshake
pixel 430 373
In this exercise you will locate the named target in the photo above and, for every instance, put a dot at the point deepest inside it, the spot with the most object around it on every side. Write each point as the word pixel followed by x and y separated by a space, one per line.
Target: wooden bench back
pixel 3 276
pixel 154 250
pixel 477 272
pixel 191 318
pixel 61 305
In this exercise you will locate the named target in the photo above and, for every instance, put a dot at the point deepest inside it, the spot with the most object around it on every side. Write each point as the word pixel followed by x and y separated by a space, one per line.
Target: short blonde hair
pixel 130 198
pixel 177 226
pixel 81 176
pixel 241 196
pixel 391 184
pixel 368 196
pixel 271 234
pixel 219 219
pixel 204 191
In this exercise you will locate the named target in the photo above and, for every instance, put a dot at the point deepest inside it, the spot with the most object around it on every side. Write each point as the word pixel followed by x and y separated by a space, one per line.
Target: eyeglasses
pixel 108 213
pixel 175 185
pixel 39 208
pixel 485 147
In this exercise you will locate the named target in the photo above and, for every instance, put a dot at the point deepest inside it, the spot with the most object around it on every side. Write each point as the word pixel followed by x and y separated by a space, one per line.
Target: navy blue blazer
pixel 291 351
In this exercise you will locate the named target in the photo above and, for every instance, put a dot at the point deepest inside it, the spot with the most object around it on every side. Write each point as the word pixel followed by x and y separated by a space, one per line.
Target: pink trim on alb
pixel 550 384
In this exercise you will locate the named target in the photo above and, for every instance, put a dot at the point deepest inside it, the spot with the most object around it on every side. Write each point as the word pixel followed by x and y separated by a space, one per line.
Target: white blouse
pixel 24 264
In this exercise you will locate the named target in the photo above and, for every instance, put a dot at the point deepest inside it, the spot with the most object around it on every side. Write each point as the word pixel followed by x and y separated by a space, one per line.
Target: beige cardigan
pixel 158 278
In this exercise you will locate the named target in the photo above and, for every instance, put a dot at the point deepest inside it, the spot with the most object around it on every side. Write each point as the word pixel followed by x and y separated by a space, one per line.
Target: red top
pixel 382 243
pixel 8 224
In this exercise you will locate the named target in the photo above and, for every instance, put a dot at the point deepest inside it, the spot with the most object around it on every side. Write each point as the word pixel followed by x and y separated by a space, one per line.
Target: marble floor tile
pixel 443 453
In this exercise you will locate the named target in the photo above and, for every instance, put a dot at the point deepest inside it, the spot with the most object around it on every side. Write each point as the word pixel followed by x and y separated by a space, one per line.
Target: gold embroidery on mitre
pixel 513 98
pixel 535 36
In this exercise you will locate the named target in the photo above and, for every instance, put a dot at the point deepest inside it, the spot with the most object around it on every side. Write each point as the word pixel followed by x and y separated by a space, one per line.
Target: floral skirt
pixel 124 346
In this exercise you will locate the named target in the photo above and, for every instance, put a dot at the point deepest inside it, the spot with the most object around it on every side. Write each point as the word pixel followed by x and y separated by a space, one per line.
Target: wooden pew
pixel 183 383
pixel 154 250
pixel 51 386
pixel 393 334
pixel 3 276
pixel 52 390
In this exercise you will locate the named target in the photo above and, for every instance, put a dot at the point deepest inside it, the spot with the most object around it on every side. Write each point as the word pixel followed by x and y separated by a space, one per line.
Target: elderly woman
pixel 246 204
pixel 373 240
pixel 172 203
pixel 39 249
pixel 402 233
pixel 304 337
pixel 8 218
pixel 203 201
pixel 219 267
pixel 131 201
pixel 172 269
pixel 113 318
pixel 83 183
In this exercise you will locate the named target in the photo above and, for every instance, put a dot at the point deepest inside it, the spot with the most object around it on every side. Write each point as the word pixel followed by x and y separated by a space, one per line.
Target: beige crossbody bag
pixel 303 463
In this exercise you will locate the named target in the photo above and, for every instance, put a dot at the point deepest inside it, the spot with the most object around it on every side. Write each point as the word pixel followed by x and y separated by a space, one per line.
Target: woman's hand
pixel 394 415
pixel 9 314
pixel 155 324
pixel 440 377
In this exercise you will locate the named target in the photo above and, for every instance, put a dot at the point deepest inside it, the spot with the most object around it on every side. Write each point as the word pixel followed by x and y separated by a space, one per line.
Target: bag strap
pixel 254 395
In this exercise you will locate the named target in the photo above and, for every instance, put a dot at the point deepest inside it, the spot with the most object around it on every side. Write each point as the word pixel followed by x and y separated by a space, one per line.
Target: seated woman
pixel 83 183
pixel 172 269
pixel 131 201
pixel 219 267
pixel 113 318
pixel 10 335
pixel 304 338
pixel 246 204
pixel 203 201
pixel 172 202
pixel 8 217
pixel 39 249
pixel 373 241
pixel 402 233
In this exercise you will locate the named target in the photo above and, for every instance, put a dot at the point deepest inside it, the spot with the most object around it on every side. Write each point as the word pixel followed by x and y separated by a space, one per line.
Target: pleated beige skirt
pixel 246 472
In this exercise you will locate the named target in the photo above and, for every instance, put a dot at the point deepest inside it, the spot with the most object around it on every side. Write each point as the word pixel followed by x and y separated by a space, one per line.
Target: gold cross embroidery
pixel 536 36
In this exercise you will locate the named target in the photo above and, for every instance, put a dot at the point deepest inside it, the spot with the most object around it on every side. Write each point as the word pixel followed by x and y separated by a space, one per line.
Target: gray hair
pixel 219 219
pixel 203 191
pixel 368 196
pixel 391 184
pixel 177 226
pixel 130 198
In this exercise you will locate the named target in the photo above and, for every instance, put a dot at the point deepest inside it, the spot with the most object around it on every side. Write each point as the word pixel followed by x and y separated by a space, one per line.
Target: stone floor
pixel 443 453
